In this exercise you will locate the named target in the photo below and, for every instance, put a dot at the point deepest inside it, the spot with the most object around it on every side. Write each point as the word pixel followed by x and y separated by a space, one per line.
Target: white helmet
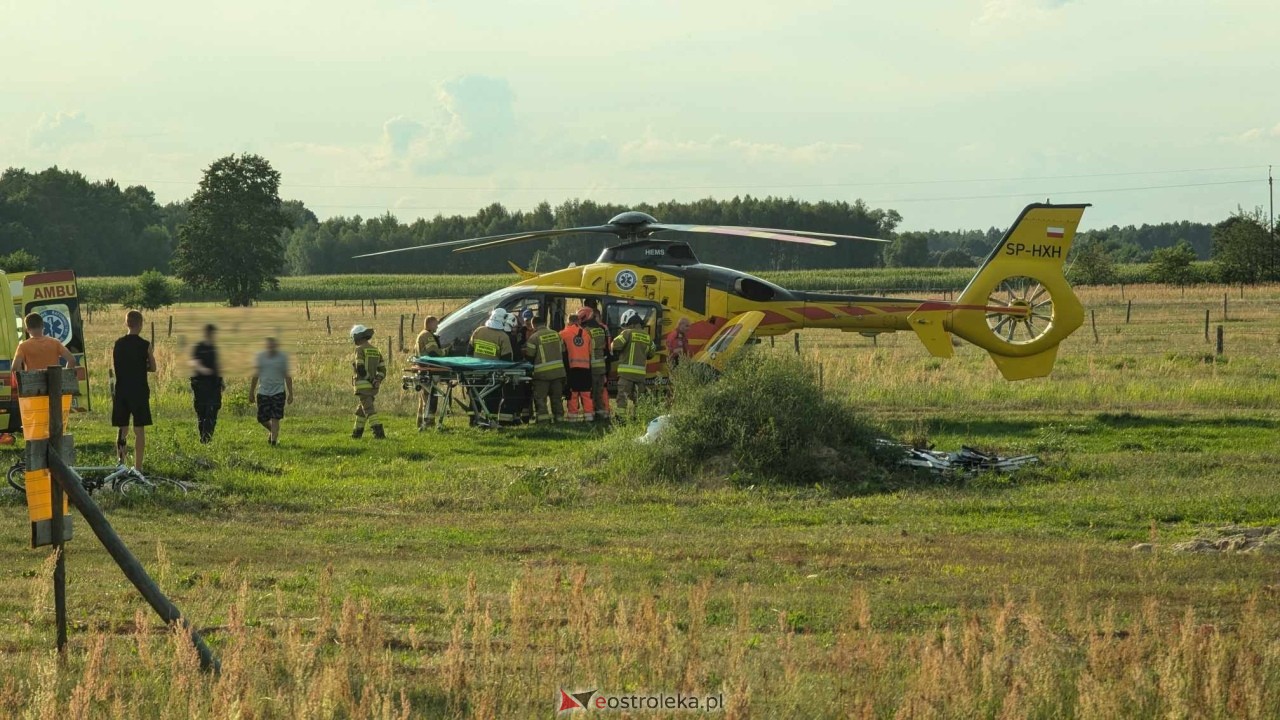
pixel 358 330
pixel 629 317
pixel 497 319
pixel 511 322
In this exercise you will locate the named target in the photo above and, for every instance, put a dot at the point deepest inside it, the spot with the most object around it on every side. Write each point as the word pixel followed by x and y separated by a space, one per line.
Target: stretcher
pixel 491 392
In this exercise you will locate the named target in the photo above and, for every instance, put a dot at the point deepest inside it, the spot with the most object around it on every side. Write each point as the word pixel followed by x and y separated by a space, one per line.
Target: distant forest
pixel 100 228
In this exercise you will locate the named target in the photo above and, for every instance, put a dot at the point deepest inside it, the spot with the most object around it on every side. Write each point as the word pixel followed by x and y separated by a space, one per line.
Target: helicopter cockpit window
pixel 455 330
pixel 753 289
pixel 532 303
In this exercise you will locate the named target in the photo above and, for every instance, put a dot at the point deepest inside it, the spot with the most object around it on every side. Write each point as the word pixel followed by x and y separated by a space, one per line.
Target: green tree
pixel 1172 265
pixel 908 250
pixel 1093 264
pixel 954 258
pixel 19 261
pixel 152 292
pixel 1242 248
pixel 231 241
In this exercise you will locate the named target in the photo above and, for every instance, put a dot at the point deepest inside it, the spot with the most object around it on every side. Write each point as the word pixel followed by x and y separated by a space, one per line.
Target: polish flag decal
pixel 1055 232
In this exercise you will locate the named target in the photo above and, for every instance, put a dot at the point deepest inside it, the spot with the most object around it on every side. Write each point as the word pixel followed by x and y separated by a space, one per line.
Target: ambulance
pixel 55 296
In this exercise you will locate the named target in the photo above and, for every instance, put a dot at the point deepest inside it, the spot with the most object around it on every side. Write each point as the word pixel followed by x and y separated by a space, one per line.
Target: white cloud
pixel 996 12
pixel 475 127
pixel 60 130
pixel 651 150
pixel 1253 135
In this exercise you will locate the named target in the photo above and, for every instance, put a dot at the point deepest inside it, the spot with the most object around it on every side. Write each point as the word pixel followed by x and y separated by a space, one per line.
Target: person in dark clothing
pixel 206 384
pixel 132 359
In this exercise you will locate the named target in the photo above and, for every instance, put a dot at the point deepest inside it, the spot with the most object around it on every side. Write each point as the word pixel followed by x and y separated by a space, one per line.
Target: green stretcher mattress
pixel 470 364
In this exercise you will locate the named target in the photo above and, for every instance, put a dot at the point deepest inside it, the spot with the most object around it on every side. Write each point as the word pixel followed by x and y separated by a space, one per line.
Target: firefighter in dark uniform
pixel 633 347
pixel 368 371
pixel 428 345
pixel 545 350
pixel 491 341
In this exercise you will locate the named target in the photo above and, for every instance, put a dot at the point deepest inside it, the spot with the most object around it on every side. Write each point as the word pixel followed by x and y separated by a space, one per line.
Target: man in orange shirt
pixel 39 352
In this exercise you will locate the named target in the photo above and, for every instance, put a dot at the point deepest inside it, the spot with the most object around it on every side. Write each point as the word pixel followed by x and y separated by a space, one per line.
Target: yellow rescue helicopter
pixel 1018 307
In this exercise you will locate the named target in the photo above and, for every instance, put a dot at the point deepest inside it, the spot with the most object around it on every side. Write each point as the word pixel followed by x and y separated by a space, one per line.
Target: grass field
pixel 467 573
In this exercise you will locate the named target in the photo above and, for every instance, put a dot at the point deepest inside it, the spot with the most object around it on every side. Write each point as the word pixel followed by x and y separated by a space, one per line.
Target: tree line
pixel 58 218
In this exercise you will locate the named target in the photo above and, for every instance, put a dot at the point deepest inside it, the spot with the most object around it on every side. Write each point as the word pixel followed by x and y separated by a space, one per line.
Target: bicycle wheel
pixel 165 484
pixel 135 483
pixel 17 477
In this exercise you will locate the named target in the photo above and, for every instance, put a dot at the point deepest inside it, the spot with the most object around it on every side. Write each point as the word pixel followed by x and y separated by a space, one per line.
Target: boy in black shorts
pixel 133 359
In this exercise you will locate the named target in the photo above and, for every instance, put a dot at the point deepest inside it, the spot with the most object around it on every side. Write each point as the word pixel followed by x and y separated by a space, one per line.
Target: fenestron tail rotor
pixel 1029 313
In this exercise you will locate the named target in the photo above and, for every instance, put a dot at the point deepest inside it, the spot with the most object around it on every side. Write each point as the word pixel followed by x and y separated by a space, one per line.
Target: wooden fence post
pixel 1128 311
pixel 54 379
pixel 361 306
pixel 153 332
pixel 374 302
pixel 1206 325
pixel 1219 341
pixel 170 326
pixel 1224 307
pixel 307 303
pixel 329 328
pixel 1093 322
pixel 400 335
pixel 797 339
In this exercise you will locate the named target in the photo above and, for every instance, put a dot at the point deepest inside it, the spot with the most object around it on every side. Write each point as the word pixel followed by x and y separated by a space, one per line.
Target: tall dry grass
pixel 506 655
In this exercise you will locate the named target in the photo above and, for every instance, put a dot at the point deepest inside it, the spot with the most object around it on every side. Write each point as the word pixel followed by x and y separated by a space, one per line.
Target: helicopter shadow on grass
pixel 986 428
pixel 1137 421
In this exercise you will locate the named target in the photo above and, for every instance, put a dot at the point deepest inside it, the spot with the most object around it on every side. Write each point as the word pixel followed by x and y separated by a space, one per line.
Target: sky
pixel 956 113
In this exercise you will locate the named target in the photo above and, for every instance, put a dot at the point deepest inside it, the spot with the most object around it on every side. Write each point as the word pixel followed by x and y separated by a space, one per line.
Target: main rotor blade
pixel 810 233
pixel 500 239
pixel 741 232
pixel 511 239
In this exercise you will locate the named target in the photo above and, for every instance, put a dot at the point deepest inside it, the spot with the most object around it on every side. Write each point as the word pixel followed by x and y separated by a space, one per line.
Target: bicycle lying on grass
pixel 117 478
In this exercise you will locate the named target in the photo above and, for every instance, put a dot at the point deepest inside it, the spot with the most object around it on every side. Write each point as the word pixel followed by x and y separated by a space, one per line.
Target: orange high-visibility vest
pixel 577 346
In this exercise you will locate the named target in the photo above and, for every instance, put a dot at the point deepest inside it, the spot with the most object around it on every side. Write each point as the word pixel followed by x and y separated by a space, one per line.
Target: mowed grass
pixel 473 573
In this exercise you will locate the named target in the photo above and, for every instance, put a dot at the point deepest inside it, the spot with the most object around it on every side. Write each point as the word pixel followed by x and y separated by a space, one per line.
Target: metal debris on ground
pixel 967 461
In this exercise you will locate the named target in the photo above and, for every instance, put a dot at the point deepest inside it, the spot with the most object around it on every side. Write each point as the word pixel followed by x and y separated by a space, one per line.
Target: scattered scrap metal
pixel 967 461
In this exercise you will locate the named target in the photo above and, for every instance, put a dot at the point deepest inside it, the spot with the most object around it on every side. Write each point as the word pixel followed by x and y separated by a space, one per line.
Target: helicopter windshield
pixel 455 330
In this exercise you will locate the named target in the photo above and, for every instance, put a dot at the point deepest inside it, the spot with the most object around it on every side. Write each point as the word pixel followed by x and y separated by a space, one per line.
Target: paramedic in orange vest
pixel 633 347
pixel 599 362
pixel 577 346
pixel 545 350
